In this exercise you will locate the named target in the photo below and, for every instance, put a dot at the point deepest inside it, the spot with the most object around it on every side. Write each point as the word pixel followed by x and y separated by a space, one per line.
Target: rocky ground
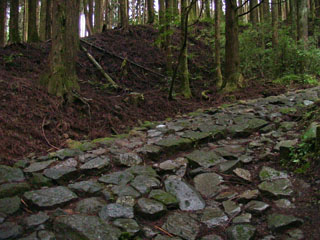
pixel 211 174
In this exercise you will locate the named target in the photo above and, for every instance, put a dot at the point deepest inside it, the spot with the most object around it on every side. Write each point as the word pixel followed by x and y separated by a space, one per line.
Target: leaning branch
pixel 98 66
pixel 251 9
pixel 122 58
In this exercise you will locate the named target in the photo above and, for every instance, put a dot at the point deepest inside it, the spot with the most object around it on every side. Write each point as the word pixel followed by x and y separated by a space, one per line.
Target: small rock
pixel 9 174
pixel 90 206
pixel 279 222
pixel 268 174
pixel 213 217
pixel 243 218
pixel 228 165
pixel 115 210
pixel 145 183
pixel 118 178
pixel 60 174
pixel 243 173
pixel 12 189
pixel 36 219
pixel 296 234
pixel 241 232
pixel 124 190
pixel 226 195
pixel 127 225
pixel 166 198
pixel 284 203
pixel 96 164
pixel 231 207
pixel 86 187
pixel 38 166
pixel 149 208
pixel 277 188
pixel 127 159
pixel 205 159
pixel 248 195
pixel 208 184
pixel 256 207
pixel 212 237
pixel 126 201
pixel 10 230
pixel 10 205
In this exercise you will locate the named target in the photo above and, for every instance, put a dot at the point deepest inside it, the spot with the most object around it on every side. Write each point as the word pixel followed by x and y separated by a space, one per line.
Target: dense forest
pixel 141 55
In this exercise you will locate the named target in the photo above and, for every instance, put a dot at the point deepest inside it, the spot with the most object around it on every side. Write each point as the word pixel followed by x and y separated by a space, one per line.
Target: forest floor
pixel 34 122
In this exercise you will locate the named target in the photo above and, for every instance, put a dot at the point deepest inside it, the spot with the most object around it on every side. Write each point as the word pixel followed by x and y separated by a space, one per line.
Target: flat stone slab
pixel 62 173
pixel 9 205
pixel 96 164
pixel 36 219
pixel 10 174
pixel 12 189
pixel 208 184
pixel 124 190
pixel 127 225
pixel 145 183
pixel 277 188
pixel 213 217
pixel 90 206
pixel 86 187
pixel 205 159
pixel 50 197
pixel 182 225
pixel 241 232
pixel 118 178
pixel 10 230
pixel 174 143
pixel 279 222
pixel 189 198
pixel 127 159
pixel 38 166
pixel 75 227
pixel 115 210
pixel 256 207
pixel 268 174
pixel 150 208
pixel 166 198
pixel 231 208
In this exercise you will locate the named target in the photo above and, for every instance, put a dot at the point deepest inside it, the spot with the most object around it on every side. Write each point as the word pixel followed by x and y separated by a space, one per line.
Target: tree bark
pixel 150 11
pixel 90 14
pixel 14 36
pixel 62 78
pixel 32 21
pixel 3 18
pixel 43 16
pixel 254 13
pixel 97 16
pixel 274 23
pixel 279 10
pixel 162 22
pixel 168 47
pixel 124 20
pixel 266 10
pixel 293 19
pixel 184 72
pixel 303 22
pixel 233 77
pixel 207 9
pixel 217 37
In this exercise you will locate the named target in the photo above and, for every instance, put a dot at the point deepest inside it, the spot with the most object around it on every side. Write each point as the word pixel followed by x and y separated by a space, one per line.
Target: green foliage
pixel 289 62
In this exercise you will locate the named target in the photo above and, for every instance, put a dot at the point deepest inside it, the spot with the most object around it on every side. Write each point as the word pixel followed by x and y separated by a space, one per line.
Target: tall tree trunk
pixel 150 7
pixel 207 9
pixel 293 18
pixel 3 18
pixel 275 23
pixel 139 11
pixel 14 36
pixel 32 22
pixel 25 21
pixel 133 10
pixel 168 47
pixel 97 16
pixel 217 37
pixel 184 72
pixel 49 19
pixel 233 77
pixel 90 14
pixel 108 14
pixel 162 22
pixel 124 20
pixel 254 12
pixel 312 15
pixel 175 8
pixel 279 10
pixel 266 10
pixel 43 20
pixel 303 22
pixel 317 8
pixel 62 77
pixel 87 18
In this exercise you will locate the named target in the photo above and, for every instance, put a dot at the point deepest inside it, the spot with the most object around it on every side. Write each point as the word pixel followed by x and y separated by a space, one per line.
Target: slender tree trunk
pixel 217 37
pixel 150 6
pixel 90 14
pixel 124 22
pixel 303 22
pixel 275 23
pixel 97 16
pixel 266 10
pixel 14 36
pixel 3 18
pixel 312 15
pixel 317 8
pixel 293 19
pixel 108 15
pixel 207 9
pixel 139 11
pixel 32 22
pixel 279 10
pixel 62 77
pixel 133 10
pixel 43 20
pixel 162 22
pixel 25 21
pixel 175 8
pixel 168 46
pixel 184 72
pixel 254 13
pixel 233 77
pixel 49 20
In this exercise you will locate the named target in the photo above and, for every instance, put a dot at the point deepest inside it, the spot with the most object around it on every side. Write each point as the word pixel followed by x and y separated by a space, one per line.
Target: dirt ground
pixel 34 122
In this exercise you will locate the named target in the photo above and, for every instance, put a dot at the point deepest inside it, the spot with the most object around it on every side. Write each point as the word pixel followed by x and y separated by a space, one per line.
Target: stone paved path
pixel 208 175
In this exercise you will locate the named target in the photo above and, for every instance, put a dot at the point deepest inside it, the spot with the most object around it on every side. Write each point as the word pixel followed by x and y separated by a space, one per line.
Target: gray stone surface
pixel 9 174
pixel 36 219
pixel 86 187
pixel 10 230
pixel 115 210
pixel 149 208
pixel 90 206
pixel 204 158
pixel 9 205
pixel 269 174
pixel 279 222
pixel 241 232
pixel 182 225
pixel 208 184
pixel 277 188
pixel 38 166
pixel 127 225
pixel 189 198
pixel 50 197
pixel 256 207
pixel 166 198
pixel 144 183
pixel 96 164
pixel 75 227
pixel 118 178
pixel 213 217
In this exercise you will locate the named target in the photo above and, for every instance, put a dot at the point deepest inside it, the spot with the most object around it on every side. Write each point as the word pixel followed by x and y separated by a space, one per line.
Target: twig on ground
pixel 44 135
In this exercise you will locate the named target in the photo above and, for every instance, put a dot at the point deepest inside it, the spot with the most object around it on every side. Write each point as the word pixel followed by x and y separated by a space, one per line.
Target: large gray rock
pixel 115 210
pixel 9 174
pixel 10 205
pixel 213 217
pixel 124 190
pixel 142 170
pixel 145 183
pixel 76 227
pixel 208 184
pixel 12 189
pixel 256 207
pixel 189 198
pixel 182 225
pixel 118 178
pixel 96 164
pixel 38 166
pixel 50 197
pixel 277 188
pixel 241 232
pixel 129 226
pixel 149 208
pixel 90 206
pixel 86 187
pixel 166 198
pixel 231 208
pixel 61 174
pixel 127 159
pixel 279 222
pixel 10 230
pixel 36 219
pixel 204 158
pixel 268 174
